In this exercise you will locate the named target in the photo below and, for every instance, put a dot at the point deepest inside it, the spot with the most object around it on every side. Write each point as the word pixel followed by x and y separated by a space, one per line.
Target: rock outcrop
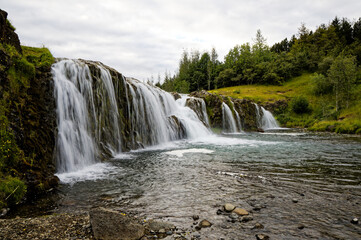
pixel 27 111
pixel 110 225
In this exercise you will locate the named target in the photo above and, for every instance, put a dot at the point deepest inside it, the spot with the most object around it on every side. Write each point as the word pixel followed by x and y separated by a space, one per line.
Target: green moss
pixel 10 25
pixel 12 191
pixel 39 57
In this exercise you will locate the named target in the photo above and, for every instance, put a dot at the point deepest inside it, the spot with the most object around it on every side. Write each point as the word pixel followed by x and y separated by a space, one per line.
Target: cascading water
pixel 89 121
pixel 75 147
pixel 228 121
pixel 237 117
pixel 268 121
pixel 265 120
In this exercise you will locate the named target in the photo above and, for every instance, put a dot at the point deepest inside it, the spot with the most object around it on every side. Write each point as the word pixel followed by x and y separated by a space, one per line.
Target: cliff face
pixel 246 110
pixel 27 117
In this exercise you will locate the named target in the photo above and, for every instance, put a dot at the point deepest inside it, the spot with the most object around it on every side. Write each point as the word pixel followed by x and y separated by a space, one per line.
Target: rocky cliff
pixel 27 118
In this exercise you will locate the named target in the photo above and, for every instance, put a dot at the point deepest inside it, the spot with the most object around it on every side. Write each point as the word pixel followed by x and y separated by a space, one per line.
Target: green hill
pixel 321 114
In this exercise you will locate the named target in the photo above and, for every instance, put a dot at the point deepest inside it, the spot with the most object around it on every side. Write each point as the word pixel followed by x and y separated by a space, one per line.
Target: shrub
pixel 12 190
pixel 300 105
pixel 322 84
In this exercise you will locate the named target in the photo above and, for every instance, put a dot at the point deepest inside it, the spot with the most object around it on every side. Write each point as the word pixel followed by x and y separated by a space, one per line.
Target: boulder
pixel 110 225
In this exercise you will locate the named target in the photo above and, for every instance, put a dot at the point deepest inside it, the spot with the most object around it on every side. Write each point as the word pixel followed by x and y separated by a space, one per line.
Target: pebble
pixel 262 237
pixel 169 233
pixel 354 221
pixel 162 230
pixel 205 223
pixel 295 200
pixel 233 216
pixel 219 212
pixel 195 217
pixel 258 226
pixel 229 207
pixel 240 211
pixel 246 219
pixel 301 226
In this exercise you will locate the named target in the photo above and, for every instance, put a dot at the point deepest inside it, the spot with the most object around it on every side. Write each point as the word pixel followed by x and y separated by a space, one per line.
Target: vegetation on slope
pixel 304 106
pixel 20 163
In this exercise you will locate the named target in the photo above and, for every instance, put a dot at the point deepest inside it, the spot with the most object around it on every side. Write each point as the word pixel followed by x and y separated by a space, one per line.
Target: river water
pixel 297 185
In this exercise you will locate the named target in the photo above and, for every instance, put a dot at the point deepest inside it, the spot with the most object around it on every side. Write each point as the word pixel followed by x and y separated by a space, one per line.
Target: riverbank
pixel 319 112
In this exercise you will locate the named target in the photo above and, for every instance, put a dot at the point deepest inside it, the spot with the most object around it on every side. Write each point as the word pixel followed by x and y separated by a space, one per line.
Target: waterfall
pixel 237 117
pixel 98 108
pixel 75 147
pixel 228 121
pixel 266 119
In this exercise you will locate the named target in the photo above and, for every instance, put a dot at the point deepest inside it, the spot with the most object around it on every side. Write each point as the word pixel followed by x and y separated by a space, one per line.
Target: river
pixel 297 185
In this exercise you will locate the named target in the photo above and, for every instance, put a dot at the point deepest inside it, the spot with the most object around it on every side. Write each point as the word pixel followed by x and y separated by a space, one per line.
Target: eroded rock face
pixel 109 225
pixel 246 109
pixel 7 34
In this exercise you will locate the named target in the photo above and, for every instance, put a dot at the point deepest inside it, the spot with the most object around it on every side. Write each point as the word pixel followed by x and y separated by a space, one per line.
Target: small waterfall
pixel 266 119
pixel 237 118
pixel 228 121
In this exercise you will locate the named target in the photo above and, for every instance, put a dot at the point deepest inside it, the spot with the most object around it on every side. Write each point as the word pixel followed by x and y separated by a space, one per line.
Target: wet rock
pixel 195 217
pixel 156 226
pixel 228 207
pixel 233 215
pixel 109 224
pixel 262 237
pixel 258 226
pixel 354 221
pixel 301 226
pixel 205 224
pixel 240 211
pixel 246 218
pixel 4 211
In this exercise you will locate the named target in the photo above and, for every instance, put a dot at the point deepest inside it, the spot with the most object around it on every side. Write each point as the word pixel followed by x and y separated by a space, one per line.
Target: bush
pixel 300 105
pixel 12 190
pixel 322 84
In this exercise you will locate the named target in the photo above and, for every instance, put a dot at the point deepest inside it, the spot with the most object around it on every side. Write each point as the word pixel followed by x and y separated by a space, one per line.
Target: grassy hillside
pixel 321 115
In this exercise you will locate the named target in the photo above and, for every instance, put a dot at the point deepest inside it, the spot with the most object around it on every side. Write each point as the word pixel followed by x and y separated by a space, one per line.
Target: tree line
pixel 333 51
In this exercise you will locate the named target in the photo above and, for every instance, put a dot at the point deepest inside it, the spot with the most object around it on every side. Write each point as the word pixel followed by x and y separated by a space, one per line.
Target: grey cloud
pixel 141 38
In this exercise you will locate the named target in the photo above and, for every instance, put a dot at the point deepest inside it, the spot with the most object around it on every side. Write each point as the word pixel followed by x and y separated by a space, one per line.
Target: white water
pixel 75 147
pixel 237 117
pixel 229 124
pixel 89 122
pixel 268 121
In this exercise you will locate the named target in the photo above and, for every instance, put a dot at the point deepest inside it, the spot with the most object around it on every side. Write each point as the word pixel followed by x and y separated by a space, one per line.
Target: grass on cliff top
pixel 40 57
pixel 261 93
pixel 346 121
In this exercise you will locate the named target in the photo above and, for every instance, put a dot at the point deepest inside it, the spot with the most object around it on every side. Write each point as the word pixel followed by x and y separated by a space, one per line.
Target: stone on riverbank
pixel 241 211
pixel 228 207
pixel 109 224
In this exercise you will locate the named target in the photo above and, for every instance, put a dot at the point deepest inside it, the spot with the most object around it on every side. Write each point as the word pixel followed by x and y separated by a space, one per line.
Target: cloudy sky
pixel 141 38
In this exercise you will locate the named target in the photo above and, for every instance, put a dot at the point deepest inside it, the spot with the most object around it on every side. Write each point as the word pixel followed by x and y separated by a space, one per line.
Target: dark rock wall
pixel 31 115
pixel 246 109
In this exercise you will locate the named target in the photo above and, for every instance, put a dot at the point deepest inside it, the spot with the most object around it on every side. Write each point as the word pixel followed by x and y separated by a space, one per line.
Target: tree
pixel 343 74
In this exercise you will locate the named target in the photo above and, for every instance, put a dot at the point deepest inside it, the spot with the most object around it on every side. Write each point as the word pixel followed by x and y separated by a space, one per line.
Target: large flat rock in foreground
pixel 110 225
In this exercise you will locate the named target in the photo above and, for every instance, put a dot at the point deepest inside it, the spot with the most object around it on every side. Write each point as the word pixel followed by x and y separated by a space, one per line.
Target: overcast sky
pixel 141 38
